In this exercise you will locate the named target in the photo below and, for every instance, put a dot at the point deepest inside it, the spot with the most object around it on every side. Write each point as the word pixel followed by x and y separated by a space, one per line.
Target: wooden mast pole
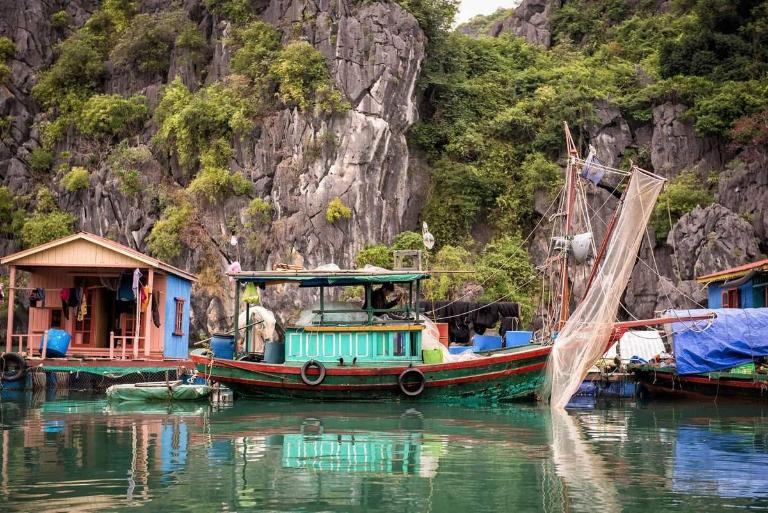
pixel 570 182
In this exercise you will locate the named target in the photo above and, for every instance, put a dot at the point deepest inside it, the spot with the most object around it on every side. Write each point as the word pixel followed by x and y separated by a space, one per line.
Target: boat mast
pixel 570 186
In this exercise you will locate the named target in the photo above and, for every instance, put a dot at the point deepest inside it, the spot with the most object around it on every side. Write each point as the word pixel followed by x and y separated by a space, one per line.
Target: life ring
pixel 12 367
pixel 411 382
pixel 308 365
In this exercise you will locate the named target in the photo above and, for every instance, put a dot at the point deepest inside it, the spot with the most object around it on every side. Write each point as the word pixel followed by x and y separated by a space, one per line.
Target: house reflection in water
pixel 64 443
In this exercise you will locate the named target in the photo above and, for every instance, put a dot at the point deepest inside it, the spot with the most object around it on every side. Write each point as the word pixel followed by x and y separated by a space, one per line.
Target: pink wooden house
pixel 87 284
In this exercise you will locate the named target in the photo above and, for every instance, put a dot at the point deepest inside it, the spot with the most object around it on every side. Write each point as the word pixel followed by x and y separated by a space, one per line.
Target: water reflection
pixel 83 454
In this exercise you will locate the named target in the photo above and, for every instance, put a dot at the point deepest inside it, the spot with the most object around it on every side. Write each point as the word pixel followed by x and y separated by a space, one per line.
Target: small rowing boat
pixel 158 391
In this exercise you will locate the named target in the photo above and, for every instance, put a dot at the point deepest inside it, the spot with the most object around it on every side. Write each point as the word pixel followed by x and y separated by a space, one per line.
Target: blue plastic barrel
pixel 58 343
pixel 486 342
pixel 223 346
pixel 518 338
pixel 274 352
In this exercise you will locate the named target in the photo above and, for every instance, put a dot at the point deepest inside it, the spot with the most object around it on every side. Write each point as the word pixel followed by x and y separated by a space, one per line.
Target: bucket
pixel 58 343
pixel 442 329
pixel 223 346
pixel 432 355
pixel 274 352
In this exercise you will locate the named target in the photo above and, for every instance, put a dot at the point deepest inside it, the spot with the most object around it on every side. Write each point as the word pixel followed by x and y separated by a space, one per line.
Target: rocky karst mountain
pixel 333 167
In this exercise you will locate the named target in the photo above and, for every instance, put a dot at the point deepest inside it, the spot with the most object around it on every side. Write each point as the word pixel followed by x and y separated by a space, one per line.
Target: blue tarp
pixel 734 338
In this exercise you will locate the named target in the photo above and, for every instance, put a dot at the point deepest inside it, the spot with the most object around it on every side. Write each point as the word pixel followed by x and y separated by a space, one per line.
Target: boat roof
pixel 316 278
pixel 735 272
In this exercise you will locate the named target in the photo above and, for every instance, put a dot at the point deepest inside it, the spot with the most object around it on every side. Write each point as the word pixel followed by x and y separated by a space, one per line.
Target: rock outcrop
pixel 530 21
pixel 711 239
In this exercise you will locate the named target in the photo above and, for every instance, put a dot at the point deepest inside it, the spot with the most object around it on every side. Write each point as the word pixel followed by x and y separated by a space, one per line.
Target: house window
pixel 178 325
pixel 56 319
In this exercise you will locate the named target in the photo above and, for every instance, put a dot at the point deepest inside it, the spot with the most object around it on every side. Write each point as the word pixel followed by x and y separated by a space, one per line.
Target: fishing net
pixel 586 334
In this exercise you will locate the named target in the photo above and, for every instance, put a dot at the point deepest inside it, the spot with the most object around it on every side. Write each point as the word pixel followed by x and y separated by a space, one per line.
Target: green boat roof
pixel 338 278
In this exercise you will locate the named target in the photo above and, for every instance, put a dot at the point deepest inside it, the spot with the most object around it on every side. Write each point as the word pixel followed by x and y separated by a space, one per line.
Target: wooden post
pixel 45 345
pixel 111 345
pixel 11 302
pixel 237 312
pixel 137 326
pixel 148 313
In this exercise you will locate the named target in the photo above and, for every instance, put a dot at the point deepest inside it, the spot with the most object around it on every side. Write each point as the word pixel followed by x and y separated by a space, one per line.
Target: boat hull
pixel 505 376
pixel 659 382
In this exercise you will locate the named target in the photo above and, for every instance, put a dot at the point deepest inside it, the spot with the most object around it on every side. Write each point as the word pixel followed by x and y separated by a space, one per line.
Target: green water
pixel 83 454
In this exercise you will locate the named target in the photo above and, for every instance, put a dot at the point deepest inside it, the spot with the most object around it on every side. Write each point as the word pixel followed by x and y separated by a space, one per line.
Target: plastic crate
pixel 486 342
pixel 518 338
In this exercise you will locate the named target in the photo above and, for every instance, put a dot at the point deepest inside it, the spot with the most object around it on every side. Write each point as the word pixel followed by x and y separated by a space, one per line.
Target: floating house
pixel 84 285
pixel 745 286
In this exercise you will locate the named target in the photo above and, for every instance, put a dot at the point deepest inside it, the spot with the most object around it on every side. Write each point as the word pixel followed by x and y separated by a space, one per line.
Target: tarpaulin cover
pixel 110 372
pixel 735 337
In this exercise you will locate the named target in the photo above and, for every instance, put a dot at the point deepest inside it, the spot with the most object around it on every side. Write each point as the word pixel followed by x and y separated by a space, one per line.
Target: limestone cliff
pixel 298 162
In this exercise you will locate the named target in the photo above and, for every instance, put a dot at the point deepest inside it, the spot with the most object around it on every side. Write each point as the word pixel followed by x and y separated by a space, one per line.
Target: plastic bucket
pixel 58 343
pixel 432 355
pixel 223 346
pixel 274 352
pixel 442 329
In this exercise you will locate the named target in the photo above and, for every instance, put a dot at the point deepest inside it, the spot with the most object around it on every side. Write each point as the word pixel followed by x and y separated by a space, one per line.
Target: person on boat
pixel 379 299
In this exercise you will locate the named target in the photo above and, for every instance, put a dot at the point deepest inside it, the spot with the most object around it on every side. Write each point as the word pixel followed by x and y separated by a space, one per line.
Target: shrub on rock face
pixel 109 115
pixel 60 19
pixel 40 160
pixel 7 49
pixel 164 241
pixel 378 255
pixel 259 211
pixel 258 44
pixel 77 72
pixel 43 227
pixel 77 179
pixel 337 211
pixel 146 44
pixel 682 195
pixel 299 70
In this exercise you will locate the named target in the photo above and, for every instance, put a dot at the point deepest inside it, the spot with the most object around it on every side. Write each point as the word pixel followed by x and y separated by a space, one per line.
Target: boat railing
pixel 25 342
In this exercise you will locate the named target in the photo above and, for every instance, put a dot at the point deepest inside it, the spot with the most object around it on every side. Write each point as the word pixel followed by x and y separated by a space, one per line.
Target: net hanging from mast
pixel 586 334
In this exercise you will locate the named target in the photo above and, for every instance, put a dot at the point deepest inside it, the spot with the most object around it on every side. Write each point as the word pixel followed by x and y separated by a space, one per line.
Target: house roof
pixel 26 257
pixel 735 272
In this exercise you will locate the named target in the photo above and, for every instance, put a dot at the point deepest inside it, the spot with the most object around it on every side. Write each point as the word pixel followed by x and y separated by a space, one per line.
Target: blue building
pixel 745 286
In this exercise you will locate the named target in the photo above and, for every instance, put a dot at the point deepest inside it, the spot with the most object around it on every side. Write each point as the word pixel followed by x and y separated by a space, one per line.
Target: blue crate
pixel 486 342
pixel 457 349
pixel 518 338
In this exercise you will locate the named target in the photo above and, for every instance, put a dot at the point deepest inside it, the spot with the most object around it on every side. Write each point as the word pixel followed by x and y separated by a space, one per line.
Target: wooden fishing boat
pixel 379 357
pixel 665 382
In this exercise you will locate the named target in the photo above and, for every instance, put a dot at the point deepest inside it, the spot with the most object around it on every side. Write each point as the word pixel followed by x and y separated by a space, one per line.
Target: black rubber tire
pixel 13 367
pixel 308 365
pixel 405 375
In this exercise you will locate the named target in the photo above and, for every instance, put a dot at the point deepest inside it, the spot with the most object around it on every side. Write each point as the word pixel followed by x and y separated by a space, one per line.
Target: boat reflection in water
pixel 87 455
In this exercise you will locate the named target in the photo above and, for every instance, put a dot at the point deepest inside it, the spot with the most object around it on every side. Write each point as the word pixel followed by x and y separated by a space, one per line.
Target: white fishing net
pixel 586 334
pixel 430 339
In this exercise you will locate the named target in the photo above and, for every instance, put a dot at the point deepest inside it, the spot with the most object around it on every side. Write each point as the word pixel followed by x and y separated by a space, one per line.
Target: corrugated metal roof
pixel 735 272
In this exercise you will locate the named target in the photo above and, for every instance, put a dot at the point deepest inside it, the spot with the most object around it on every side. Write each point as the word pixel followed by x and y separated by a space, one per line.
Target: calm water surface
pixel 83 454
